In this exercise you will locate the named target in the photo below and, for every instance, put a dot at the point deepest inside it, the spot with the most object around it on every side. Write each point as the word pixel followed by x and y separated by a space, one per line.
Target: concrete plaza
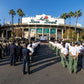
pixel 45 69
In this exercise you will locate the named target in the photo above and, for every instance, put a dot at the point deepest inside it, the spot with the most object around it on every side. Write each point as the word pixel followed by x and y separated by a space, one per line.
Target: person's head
pixel 13 42
pixel 30 45
pixel 18 43
pixel 33 41
pixel 59 42
pixel 73 44
pixel 78 44
pixel 63 45
pixel 25 46
pixel 62 42
pixel 83 45
pixel 27 43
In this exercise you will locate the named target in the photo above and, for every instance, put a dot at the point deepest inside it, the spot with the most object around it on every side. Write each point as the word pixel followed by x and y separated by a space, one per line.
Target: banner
pixel 46 31
pixel 32 30
pixel 39 30
pixel 53 31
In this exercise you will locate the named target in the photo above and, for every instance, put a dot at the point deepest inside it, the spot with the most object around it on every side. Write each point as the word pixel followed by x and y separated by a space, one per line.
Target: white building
pixel 40 27
pixel 43 19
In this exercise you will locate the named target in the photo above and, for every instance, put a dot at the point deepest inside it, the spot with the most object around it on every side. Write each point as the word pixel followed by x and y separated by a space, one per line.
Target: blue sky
pixel 49 7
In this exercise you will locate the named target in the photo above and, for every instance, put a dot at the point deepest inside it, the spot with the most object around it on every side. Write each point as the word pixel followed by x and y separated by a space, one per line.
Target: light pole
pixel 0 23
pixel 4 21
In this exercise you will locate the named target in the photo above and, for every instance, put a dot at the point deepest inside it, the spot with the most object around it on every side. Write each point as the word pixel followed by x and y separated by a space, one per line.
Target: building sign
pixel 51 22
pixel 33 21
pixel 46 31
pixel 43 19
pixel 39 30
pixel 32 30
pixel 53 31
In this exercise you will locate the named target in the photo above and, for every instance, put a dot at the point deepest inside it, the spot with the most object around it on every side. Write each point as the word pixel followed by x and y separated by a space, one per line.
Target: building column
pixel 2 34
pixel 22 32
pixel 56 34
pixel 6 34
pixel 35 33
pixel 49 34
pixel 29 35
pixel 62 34
pixel 77 36
pixel 42 32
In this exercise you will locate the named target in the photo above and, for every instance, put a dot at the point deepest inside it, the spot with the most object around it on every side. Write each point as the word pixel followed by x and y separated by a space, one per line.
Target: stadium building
pixel 43 27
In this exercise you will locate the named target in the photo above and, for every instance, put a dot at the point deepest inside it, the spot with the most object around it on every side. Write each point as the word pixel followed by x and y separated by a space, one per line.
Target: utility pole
pixel 4 21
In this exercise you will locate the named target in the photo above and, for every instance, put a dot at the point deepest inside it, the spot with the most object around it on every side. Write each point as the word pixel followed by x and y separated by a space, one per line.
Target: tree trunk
pixel 12 28
pixel 76 23
pixel 21 19
pixel 12 19
pixel 65 27
pixel 69 27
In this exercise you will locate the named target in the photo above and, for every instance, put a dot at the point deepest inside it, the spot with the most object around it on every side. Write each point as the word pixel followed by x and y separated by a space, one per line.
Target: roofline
pixel 24 24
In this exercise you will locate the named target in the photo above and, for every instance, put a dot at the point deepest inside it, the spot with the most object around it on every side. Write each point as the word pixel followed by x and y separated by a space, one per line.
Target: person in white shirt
pixel 32 51
pixel 59 46
pixel 64 53
pixel 73 58
pixel 56 50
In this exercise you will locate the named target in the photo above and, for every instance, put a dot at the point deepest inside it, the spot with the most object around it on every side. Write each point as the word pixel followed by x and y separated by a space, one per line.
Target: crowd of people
pixel 71 54
pixel 18 51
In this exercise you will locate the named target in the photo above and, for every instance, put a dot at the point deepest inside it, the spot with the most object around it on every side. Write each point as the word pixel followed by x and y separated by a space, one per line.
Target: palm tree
pixel 69 15
pixel 77 14
pixel 12 13
pixel 20 13
pixel 64 16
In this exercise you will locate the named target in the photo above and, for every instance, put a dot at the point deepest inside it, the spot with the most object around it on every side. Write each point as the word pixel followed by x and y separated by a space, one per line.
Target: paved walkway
pixel 45 69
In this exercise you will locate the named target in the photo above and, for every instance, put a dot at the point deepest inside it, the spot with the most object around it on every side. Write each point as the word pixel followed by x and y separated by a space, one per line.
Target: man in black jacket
pixel 12 50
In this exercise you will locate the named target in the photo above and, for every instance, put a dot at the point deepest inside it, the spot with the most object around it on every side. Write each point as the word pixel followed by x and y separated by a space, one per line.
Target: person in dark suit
pixel 82 53
pixel 12 50
pixel 26 59
pixel 19 52
pixel 0 51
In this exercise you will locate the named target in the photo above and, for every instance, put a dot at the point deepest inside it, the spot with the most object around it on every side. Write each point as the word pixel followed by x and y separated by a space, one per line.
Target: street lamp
pixel 0 23
pixel 4 21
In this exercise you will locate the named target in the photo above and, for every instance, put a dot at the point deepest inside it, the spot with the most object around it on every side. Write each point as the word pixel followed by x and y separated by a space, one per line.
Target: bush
pixel 17 39
pixel 70 41
pixel 11 39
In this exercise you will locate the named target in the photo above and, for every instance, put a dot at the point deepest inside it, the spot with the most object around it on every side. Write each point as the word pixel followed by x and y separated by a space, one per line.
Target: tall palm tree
pixel 20 13
pixel 77 14
pixel 69 15
pixel 64 16
pixel 12 13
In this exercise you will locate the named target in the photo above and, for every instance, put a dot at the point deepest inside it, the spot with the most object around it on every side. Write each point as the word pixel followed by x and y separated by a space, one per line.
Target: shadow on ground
pixel 6 61
pixel 45 57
